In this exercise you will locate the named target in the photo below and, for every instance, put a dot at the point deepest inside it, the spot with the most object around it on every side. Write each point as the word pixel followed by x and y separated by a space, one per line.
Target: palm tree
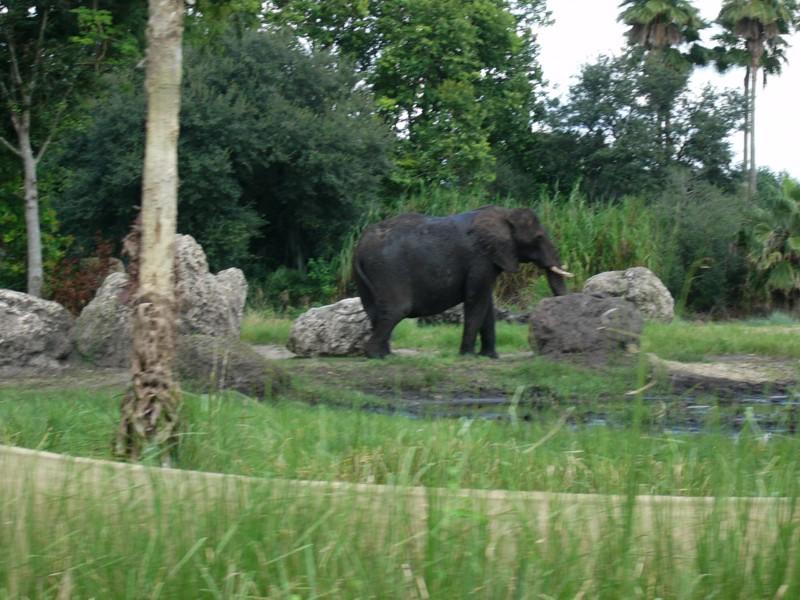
pixel 731 52
pixel 774 248
pixel 658 26
pixel 760 23
pixel 149 412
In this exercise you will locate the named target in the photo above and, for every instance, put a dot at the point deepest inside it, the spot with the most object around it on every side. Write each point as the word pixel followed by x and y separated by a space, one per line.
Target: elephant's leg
pixel 475 308
pixel 382 326
pixel 488 340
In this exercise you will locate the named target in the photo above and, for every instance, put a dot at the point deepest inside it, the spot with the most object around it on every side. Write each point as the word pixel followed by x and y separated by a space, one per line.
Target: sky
pixel 583 29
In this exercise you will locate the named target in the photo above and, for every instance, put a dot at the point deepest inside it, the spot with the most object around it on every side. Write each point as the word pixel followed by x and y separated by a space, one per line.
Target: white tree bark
pixel 32 227
pixel 753 168
pixel 149 418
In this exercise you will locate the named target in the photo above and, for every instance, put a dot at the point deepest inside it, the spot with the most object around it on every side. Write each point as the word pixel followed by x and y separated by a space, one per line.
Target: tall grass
pixel 269 542
pixel 235 435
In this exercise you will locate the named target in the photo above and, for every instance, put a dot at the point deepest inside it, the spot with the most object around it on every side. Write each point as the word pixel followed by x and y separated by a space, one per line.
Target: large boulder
pixel 102 332
pixel 209 364
pixel 207 304
pixel 585 328
pixel 339 329
pixel 34 333
pixel 638 285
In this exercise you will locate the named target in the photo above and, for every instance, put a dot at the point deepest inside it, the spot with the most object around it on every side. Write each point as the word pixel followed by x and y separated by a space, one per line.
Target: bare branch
pixel 54 127
pixel 15 74
pixel 38 53
pixel 10 146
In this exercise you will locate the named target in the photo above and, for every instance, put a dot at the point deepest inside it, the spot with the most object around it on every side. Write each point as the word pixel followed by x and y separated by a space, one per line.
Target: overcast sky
pixel 583 29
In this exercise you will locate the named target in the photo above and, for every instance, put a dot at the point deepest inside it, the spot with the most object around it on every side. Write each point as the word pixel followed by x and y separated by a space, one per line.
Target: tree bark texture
pixel 149 419
pixel 753 86
pixel 746 152
pixel 32 226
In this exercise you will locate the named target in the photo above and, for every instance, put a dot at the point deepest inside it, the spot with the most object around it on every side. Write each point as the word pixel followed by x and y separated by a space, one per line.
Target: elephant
pixel 413 265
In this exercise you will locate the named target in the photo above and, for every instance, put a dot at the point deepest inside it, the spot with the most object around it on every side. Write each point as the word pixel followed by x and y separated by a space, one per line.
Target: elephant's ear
pixel 494 236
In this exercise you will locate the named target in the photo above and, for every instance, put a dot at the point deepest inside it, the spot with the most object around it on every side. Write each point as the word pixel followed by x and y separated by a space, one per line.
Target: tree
pixel 658 26
pixel 48 51
pixel 760 23
pixel 730 52
pixel 149 409
pixel 661 24
pixel 455 78
pixel 281 150
pixel 774 244
pixel 616 146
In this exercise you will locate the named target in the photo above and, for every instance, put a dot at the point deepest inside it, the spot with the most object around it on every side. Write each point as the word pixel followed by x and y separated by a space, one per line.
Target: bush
pixel 702 266
pixel 13 239
pixel 76 280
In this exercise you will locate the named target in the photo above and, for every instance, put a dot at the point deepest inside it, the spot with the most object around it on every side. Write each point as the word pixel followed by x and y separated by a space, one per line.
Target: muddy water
pixel 770 414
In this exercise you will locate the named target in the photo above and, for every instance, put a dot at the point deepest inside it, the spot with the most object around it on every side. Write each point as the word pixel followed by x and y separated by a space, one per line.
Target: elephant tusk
pixel 562 272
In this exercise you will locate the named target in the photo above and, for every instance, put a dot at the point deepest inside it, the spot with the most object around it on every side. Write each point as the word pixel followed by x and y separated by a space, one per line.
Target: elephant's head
pixel 512 236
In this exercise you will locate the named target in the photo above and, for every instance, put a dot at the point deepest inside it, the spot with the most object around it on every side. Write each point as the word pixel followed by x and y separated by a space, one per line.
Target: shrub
pixel 75 280
pixel 702 266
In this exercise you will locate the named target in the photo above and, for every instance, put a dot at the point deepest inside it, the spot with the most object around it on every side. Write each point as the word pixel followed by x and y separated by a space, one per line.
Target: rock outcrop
pixel 207 304
pixel 339 329
pixel 638 285
pixel 584 328
pixel 34 333
pixel 209 364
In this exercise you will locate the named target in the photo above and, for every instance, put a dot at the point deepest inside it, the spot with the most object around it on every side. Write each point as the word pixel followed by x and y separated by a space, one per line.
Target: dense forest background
pixel 304 120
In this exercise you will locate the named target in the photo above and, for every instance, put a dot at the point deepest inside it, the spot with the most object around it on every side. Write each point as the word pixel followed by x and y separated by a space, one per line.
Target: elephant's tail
pixel 366 289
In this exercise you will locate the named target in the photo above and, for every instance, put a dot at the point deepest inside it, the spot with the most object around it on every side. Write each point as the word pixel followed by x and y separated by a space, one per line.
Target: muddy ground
pixel 681 396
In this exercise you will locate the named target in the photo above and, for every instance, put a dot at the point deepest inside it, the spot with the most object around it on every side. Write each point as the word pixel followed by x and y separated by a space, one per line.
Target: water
pixel 773 414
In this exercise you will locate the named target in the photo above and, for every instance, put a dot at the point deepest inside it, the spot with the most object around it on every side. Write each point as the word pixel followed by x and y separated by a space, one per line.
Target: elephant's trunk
pixel 557 282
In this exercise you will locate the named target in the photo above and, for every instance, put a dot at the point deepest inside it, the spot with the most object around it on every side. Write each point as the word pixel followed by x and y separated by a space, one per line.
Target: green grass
pixel 273 544
pixel 777 336
pixel 278 544
pixel 292 440
pixel 263 327
pixel 691 341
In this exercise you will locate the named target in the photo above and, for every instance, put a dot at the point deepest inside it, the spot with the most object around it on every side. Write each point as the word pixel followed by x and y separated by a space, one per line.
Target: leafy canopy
pixel 279 151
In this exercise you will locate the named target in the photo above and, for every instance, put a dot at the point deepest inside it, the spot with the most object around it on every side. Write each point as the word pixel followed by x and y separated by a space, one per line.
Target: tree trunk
pixel 753 86
pixel 32 226
pixel 745 154
pixel 149 419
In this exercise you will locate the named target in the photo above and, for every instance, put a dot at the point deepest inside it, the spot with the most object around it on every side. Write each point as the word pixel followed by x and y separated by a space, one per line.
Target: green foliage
pixel 659 24
pixel 13 239
pixel 279 152
pixel 702 265
pixel 455 78
pixel 628 147
pixel 773 244
pixel 593 238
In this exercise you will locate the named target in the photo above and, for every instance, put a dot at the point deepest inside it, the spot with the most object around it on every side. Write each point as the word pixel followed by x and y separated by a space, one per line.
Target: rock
pixel 209 364
pixel 589 329
pixel 339 329
pixel 207 304
pixel 34 333
pixel 455 316
pixel 102 332
pixel 638 285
